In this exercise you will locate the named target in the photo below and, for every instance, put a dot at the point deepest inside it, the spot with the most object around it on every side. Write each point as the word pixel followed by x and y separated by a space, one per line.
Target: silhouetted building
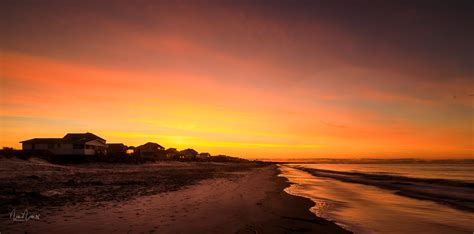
pixel 172 153
pixel 189 153
pixel 70 144
pixel 116 149
pixel 203 155
pixel 149 149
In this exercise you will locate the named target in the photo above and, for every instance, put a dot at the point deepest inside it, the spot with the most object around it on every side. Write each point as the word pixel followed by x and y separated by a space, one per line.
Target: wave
pixel 455 193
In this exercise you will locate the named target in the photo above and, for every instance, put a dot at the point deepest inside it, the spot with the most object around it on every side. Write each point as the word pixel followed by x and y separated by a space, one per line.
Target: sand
pixel 233 199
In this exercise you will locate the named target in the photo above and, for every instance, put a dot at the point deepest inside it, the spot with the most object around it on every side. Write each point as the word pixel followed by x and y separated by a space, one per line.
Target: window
pixel 90 146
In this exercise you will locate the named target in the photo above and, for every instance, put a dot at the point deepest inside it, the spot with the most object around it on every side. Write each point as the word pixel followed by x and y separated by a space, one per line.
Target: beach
pixel 388 198
pixel 166 197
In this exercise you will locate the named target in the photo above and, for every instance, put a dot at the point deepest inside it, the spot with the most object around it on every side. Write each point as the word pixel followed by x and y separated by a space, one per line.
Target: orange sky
pixel 248 80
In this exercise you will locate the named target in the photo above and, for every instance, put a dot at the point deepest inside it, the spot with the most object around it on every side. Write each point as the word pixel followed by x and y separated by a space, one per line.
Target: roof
pixel 43 141
pixel 81 137
pixel 152 144
pixel 192 151
pixel 71 138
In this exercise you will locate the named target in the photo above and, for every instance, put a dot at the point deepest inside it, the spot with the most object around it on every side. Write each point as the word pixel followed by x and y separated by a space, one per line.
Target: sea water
pixel 364 208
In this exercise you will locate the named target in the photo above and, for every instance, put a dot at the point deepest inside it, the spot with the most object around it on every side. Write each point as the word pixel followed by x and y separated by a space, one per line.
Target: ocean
pixel 388 197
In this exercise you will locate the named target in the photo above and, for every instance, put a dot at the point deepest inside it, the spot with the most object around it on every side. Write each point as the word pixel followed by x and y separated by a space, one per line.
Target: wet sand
pixel 370 209
pixel 231 199
pixel 457 194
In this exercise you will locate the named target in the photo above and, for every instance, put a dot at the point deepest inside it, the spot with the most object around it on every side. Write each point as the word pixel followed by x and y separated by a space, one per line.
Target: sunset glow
pixel 255 81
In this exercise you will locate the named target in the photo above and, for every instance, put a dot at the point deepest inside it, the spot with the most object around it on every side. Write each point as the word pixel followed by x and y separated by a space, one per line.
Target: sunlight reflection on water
pixel 367 209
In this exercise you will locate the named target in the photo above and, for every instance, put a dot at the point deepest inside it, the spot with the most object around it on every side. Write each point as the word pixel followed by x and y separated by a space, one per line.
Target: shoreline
pixel 294 212
pixel 456 194
pixel 365 208
pixel 249 200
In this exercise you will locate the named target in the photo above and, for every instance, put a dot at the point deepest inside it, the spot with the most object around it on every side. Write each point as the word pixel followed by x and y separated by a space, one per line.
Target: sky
pixel 254 79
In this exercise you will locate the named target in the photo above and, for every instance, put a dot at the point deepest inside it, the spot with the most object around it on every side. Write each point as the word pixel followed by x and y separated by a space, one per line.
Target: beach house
pixel 71 144
pixel 189 153
pixel 149 149
pixel 116 149
pixel 203 156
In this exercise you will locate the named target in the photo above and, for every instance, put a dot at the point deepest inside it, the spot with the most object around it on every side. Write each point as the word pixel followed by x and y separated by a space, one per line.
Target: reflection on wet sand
pixel 368 209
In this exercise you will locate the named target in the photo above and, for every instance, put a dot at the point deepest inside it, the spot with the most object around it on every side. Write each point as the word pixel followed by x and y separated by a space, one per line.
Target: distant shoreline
pixel 367 161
